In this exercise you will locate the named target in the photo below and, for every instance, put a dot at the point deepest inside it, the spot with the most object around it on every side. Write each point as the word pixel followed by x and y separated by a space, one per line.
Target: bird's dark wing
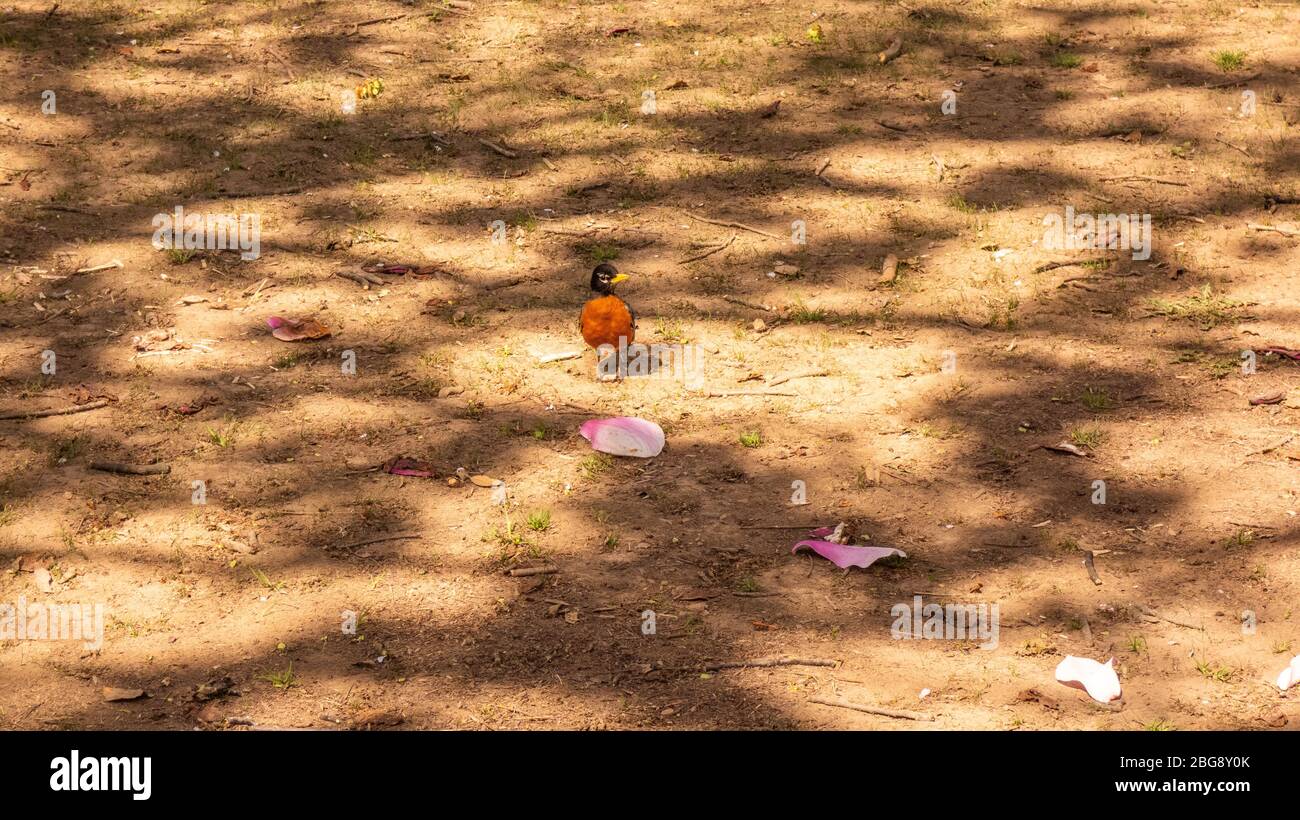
pixel 632 313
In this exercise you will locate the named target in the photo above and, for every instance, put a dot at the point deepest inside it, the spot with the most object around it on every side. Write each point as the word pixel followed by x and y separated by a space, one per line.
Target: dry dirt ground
pixel 926 431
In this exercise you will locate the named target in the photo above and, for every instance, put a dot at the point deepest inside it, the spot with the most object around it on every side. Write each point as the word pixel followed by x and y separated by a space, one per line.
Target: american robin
pixel 606 319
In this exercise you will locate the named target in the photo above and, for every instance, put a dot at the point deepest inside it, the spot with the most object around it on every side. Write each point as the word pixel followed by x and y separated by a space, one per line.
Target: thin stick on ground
pixel 505 152
pixel 901 714
pixel 710 252
pixel 1234 147
pixel 737 225
pixel 1144 178
pixel 1255 226
pixel 61 411
pixel 803 374
pixel 736 300
pixel 369 541
pixel 524 572
pixel 723 394
pixel 758 663
pixel 122 468
pixel 1068 263
pixel 116 263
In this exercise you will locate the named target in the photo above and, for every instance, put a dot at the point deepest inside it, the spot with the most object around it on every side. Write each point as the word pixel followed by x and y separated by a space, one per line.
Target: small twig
pixel 709 252
pixel 803 374
pixel 116 263
pixel 737 225
pixel 872 710
pixel 1280 444
pixel 722 394
pixel 65 209
pixel 761 663
pixel 891 126
pixel 376 21
pixel 130 469
pixel 505 152
pixel 1235 147
pixel 1237 81
pixel 1090 565
pixel 736 300
pixel 1144 178
pixel 1152 613
pixel 370 541
pixel 364 279
pixel 559 357
pixel 520 572
pixel 63 411
pixel 1068 263
pixel 1254 226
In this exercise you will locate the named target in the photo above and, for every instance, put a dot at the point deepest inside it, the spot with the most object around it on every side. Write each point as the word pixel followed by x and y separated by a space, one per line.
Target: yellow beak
pixel 619 277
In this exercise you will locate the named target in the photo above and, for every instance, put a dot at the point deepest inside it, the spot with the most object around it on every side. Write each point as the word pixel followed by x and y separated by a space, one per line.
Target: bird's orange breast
pixel 604 320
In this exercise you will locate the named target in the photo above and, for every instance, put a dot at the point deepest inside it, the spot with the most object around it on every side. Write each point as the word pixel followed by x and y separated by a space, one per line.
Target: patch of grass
pixel 1207 308
pixel 597 252
pixel 8 515
pixel 265 580
pixel 539 521
pixel 747 584
pixel 1095 400
pixel 1159 725
pixel 595 465
pixel 1063 94
pixel 1212 670
pixel 1089 437
pixel 1282 648
pixel 1065 59
pixel 179 256
pixel 283 679
pixel 1137 644
pixel 801 314
pixel 286 361
pixel 751 439
pixel 671 331
pixel 1229 60
pixel 1241 538
pixel 958 202
pixel 225 437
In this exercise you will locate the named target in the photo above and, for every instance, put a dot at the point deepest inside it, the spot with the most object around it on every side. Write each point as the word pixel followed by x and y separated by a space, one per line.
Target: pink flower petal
pixel 1097 679
pixel 624 436
pixel 844 556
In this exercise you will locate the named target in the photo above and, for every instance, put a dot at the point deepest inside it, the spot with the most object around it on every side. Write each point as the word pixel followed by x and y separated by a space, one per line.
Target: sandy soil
pixel 926 432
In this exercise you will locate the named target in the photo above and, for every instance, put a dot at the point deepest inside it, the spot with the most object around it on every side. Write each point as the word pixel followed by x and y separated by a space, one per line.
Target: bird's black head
pixel 605 277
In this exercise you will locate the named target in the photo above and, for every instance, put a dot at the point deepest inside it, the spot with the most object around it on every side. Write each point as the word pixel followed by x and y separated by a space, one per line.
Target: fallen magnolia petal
pixel 1289 676
pixel 624 436
pixel 1286 352
pixel 1097 679
pixel 293 330
pixel 1269 398
pixel 833 534
pixel 844 556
